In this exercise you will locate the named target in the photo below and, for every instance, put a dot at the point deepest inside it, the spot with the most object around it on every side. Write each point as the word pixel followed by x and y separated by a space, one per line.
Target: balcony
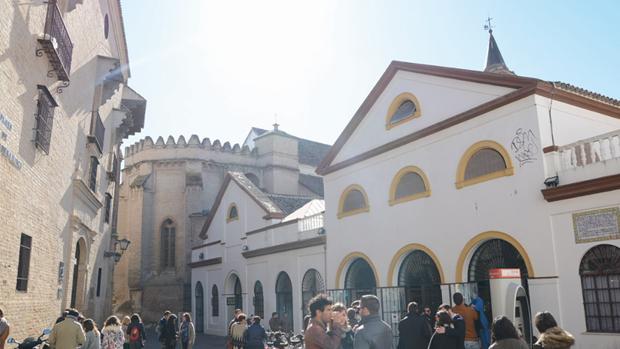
pixel 585 167
pixel 56 43
pixel 97 131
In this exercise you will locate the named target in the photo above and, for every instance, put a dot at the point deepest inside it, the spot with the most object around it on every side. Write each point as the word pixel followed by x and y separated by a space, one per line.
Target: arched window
pixel 352 201
pixel 200 307
pixel 483 161
pixel 360 279
pixel 215 302
pixel 167 248
pixel 233 213
pixel 410 183
pixel 311 285
pixel 259 303
pixel 284 299
pixel 600 283
pixel 402 109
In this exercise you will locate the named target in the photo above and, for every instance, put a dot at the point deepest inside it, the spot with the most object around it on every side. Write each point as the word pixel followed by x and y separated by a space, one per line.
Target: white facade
pixel 254 248
pixel 454 220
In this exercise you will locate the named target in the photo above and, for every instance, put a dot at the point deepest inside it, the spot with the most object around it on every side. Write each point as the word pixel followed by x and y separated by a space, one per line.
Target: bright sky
pixel 217 68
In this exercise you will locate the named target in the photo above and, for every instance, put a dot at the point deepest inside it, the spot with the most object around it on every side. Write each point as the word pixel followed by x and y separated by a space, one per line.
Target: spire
pixel 495 61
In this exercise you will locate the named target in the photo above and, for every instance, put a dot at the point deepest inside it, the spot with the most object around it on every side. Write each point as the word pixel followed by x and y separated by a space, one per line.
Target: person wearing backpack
pixel 136 332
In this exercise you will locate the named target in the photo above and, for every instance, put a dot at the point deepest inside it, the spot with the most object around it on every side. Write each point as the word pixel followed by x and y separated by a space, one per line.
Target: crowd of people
pixel 72 330
pixel 332 325
pixel 329 325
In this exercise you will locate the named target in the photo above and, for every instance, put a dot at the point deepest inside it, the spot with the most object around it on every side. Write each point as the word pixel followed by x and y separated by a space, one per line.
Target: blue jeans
pixel 472 344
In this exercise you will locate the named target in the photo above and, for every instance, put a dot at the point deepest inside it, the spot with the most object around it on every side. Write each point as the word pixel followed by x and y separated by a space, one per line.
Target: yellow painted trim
pixel 404 251
pixel 228 219
pixel 409 169
pixel 460 173
pixel 343 196
pixel 482 237
pixel 346 262
pixel 394 106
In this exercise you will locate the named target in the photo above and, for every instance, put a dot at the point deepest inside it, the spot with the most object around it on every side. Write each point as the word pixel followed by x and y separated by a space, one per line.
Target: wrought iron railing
pixel 56 42
pixel 97 131
pixel 44 119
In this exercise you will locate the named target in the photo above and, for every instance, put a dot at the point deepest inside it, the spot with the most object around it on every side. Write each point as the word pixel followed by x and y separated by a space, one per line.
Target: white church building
pixel 441 176
pixel 444 174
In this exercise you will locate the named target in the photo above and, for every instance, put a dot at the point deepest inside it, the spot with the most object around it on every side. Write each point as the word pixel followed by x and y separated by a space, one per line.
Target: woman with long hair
pixel 93 340
pixel 113 337
pixel 187 332
pixel 135 331
pixel 505 335
pixel 551 335
pixel 124 324
pixel 442 340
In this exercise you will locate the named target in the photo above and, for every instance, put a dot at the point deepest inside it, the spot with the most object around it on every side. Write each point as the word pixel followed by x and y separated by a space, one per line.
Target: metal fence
pixel 394 300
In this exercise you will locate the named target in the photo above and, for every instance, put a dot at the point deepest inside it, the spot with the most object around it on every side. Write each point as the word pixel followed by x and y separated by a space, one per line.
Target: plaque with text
pixel 597 225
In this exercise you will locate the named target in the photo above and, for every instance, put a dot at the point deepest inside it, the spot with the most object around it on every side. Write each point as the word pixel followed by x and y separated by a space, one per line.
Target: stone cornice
pixel 83 192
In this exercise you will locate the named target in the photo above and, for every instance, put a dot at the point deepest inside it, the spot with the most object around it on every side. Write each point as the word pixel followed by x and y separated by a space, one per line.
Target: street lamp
pixel 123 244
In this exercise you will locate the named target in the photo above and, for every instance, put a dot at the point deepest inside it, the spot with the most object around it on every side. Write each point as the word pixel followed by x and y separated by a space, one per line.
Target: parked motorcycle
pixel 282 340
pixel 32 342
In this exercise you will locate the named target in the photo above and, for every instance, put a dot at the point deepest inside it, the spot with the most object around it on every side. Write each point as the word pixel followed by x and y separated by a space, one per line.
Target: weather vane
pixel 489 26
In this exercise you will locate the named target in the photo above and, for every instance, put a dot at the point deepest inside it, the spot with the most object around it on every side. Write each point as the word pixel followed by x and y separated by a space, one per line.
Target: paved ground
pixel 202 341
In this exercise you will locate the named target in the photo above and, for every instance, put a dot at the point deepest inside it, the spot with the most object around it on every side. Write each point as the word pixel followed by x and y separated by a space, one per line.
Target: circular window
pixel 106 26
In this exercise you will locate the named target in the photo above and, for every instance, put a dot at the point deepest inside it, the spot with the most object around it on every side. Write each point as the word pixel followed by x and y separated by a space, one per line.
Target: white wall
pixel 440 98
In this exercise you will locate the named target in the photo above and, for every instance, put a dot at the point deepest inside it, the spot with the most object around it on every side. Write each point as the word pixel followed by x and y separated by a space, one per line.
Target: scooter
pixel 31 342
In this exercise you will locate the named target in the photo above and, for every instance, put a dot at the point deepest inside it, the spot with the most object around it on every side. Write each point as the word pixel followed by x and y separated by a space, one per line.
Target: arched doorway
pixel 78 283
pixel 233 296
pixel 284 300
pixel 200 307
pixel 493 254
pixel 311 285
pixel 259 303
pixel 421 279
pixel 360 279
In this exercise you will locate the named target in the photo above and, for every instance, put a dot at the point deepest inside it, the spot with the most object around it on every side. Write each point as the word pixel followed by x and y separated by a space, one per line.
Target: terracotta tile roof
pixel 586 93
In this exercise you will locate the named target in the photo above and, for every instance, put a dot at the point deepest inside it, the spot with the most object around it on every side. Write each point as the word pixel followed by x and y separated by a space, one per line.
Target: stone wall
pixel 179 180
pixel 42 194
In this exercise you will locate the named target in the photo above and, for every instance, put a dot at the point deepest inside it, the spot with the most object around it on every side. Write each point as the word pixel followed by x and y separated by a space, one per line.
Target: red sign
pixel 504 274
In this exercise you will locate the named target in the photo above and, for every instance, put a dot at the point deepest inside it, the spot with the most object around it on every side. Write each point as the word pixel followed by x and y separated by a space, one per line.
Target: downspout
pixel 550 118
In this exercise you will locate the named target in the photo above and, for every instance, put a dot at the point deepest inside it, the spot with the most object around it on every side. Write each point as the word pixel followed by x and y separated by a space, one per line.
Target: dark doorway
pixel 360 279
pixel 284 300
pixel 420 277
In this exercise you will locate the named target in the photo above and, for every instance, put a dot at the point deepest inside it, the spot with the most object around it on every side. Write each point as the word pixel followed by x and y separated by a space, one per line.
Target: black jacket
pixel 444 341
pixel 373 333
pixel 457 331
pixel 414 332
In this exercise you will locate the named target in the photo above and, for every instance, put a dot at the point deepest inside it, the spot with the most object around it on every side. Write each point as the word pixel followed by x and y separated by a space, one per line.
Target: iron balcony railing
pixel 97 131
pixel 56 42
